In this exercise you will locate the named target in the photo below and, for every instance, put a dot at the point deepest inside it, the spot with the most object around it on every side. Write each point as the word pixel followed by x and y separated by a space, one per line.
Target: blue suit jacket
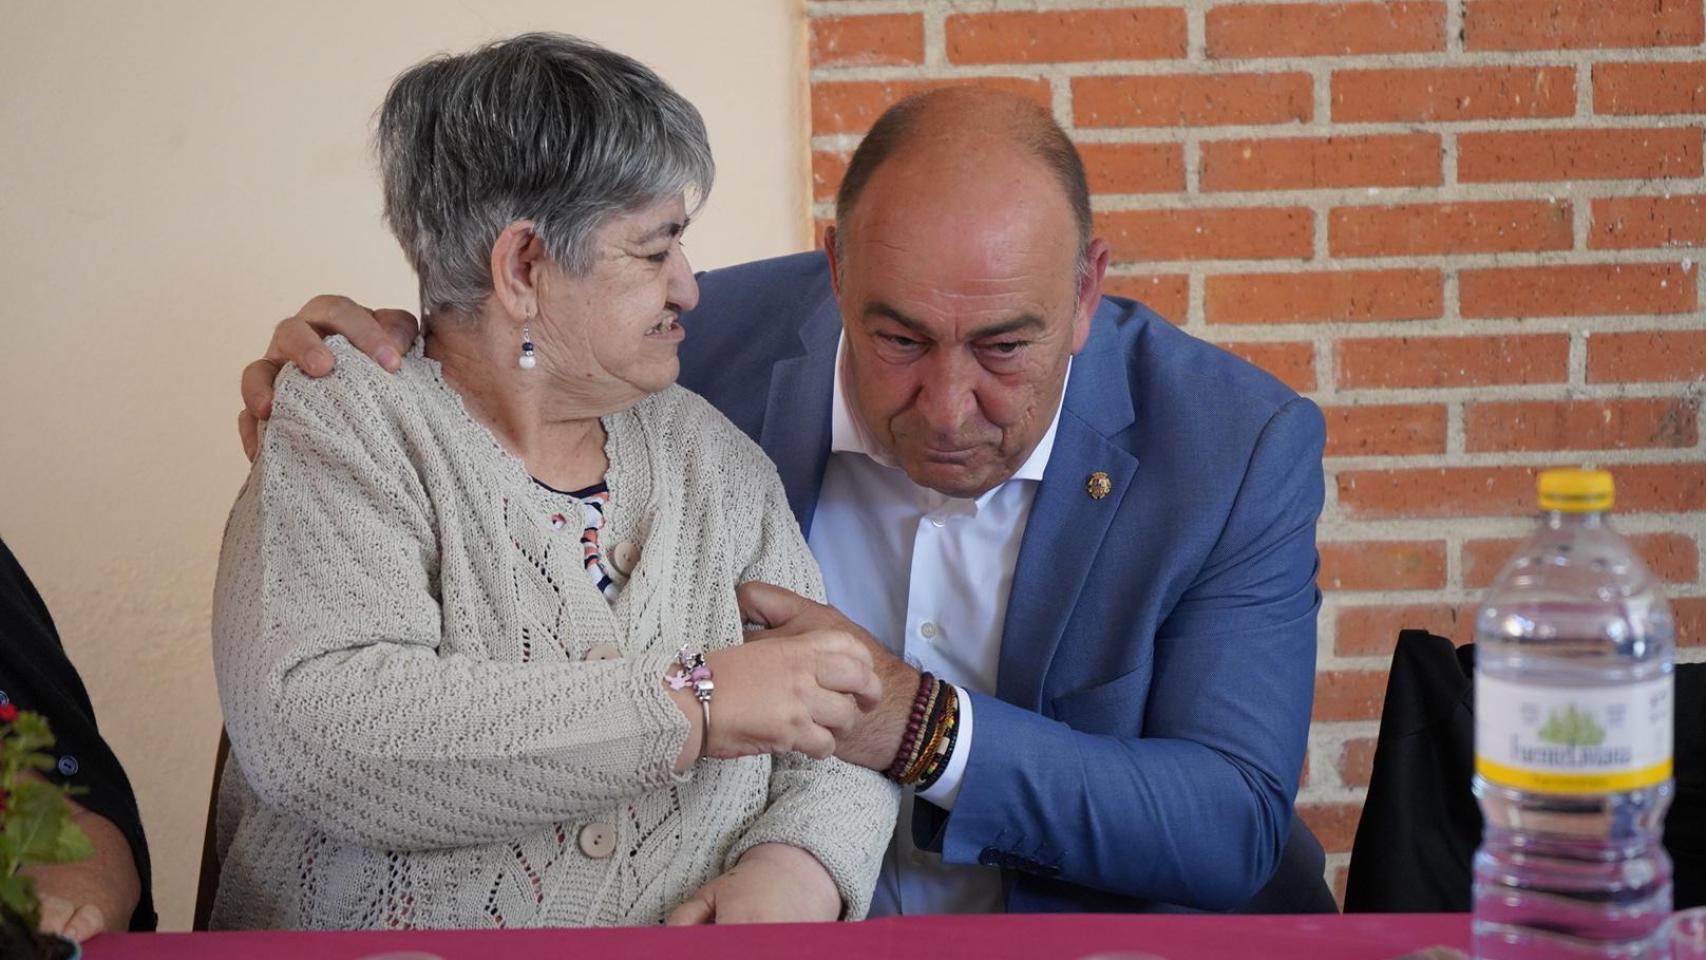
pixel 1158 660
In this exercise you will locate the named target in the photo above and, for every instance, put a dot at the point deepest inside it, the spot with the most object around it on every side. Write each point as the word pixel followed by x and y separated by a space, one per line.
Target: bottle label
pixel 1573 740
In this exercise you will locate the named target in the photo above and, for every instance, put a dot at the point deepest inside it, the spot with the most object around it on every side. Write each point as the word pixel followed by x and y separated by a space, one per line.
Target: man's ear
pixel 517 256
pixel 834 264
pixel 1089 291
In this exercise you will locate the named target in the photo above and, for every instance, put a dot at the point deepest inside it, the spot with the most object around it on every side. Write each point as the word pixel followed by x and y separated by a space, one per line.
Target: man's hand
pixel 384 335
pixel 772 883
pixel 876 736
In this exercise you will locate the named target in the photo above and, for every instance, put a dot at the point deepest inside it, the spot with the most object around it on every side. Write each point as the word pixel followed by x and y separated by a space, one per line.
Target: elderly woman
pixel 475 626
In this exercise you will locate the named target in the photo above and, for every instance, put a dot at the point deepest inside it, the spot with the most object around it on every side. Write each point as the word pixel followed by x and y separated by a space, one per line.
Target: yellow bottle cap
pixel 1576 491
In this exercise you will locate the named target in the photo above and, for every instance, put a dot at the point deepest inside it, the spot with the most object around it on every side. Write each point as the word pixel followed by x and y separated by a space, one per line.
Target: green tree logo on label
pixel 1571 727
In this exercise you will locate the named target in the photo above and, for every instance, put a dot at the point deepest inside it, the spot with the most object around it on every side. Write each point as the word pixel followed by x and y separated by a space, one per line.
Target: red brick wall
pixel 1470 230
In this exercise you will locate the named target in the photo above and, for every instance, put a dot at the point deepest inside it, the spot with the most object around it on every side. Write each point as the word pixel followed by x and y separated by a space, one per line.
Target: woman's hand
pixel 94 895
pixel 70 920
pixel 384 335
pixel 774 696
pixel 772 883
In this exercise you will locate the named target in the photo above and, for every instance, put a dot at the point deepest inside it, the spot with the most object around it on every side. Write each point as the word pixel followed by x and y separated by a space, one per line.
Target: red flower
pixel 8 712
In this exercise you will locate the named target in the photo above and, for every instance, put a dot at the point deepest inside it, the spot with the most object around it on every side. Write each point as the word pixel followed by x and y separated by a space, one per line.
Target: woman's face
pixel 610 335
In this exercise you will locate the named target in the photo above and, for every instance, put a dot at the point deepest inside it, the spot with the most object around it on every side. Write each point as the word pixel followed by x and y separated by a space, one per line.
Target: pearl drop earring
pixel 527 360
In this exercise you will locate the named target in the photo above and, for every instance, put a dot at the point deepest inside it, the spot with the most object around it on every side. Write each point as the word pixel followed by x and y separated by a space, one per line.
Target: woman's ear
pixel 516 258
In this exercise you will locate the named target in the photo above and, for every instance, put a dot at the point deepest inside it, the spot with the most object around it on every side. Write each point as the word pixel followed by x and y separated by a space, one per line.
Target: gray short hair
pixel 542 127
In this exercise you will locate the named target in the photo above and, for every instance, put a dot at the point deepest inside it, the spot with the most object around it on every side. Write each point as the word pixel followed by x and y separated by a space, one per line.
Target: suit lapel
pixel 1067 525
pixel 796 429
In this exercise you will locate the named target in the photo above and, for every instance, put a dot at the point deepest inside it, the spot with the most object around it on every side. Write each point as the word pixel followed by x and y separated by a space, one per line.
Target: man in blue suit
pixel 1098 529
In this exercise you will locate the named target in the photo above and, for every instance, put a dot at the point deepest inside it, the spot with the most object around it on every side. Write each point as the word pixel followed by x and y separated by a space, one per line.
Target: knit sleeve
pixel 839 813
pixel 340 705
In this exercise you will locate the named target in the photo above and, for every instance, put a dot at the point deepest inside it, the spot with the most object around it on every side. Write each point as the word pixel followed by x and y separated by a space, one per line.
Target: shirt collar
pixel 848 435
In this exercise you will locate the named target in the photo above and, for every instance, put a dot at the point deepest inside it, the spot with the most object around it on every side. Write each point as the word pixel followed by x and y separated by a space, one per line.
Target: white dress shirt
pixel 929 576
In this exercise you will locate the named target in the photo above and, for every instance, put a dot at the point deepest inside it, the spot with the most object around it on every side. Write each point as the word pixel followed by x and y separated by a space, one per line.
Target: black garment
pixel 1420 825
pixel 36 675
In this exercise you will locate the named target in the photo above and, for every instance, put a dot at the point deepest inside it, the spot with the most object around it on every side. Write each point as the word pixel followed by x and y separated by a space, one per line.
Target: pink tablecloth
pixel 1359 937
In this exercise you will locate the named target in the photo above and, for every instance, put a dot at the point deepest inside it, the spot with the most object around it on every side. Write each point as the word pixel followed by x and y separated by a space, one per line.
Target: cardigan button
pixel 603 651
pixel 624 557
pixel 598 840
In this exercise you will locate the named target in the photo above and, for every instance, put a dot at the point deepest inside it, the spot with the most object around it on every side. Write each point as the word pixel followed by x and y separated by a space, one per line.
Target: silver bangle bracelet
pixel 696 675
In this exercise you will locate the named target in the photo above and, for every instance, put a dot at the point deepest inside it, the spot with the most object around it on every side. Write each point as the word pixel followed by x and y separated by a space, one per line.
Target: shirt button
pixel 68 765
pixel 598 840
pixel 624 556
pixel 928 628
pixel 603 651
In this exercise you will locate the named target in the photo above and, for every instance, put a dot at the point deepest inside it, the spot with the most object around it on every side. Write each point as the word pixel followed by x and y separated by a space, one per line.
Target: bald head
pixel 965 272
pixel 967 123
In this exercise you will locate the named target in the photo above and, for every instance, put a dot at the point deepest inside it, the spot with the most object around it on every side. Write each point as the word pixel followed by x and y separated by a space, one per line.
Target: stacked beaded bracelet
pixel 914 724
pixel 935 761
pixel 696 675
pixel 929 736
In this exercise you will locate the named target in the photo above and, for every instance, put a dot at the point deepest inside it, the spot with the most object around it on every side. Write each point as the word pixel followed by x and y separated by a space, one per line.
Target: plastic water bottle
pixel 1573 730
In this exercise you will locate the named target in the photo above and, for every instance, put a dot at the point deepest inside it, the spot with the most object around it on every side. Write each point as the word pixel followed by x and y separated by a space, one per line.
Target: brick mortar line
pixel 1583 60
pixel 1321 97
pixel 1690 653
pixel 1318 794
pixel 1610 457
pixel 1196 33
pixel 1292 130
pixel 1448 161
pixel 935 38
pixel 1453 312
pixel 1453 597
pixel 1193 165
pixel 1576 362
pixel 1318 216
pixel 837 7
pixel 1178 202
pixel 1419 330
pixel 1456 442
pixel 1426 329
pixel 1335 863
pixel 832 8
pixel 1326 746
pixel 1551 191
pixel 1326 366
pixel 1494 528
pixel 1645 256
pixel 1454 541
pixel 1584 88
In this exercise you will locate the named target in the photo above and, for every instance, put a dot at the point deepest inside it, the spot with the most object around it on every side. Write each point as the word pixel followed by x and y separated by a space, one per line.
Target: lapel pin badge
pixel 1098 485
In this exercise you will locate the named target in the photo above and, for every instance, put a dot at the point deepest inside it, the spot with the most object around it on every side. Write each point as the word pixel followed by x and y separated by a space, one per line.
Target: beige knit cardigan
pixel 436 718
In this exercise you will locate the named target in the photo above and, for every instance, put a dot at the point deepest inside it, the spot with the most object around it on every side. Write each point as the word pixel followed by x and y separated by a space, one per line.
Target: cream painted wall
pixel 176 176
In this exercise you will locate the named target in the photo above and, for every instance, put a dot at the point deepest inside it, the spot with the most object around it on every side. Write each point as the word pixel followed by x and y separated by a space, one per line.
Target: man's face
pixel 961 304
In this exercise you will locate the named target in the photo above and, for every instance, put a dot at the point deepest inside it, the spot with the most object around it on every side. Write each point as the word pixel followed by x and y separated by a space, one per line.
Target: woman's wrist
pixel 695 746
pixel 810 879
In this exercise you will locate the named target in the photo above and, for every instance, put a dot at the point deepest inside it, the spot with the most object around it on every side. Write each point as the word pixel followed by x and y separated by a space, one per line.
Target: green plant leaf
pixel 71 843
pixel 18 894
